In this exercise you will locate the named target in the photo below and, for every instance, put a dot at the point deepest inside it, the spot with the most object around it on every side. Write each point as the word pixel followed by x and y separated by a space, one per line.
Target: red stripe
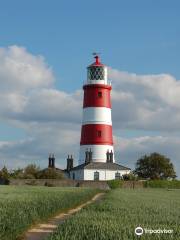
pixel 92 96
pixel 96 134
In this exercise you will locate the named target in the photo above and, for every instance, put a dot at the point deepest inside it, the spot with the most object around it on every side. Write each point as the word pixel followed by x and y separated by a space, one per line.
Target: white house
pixel 98 171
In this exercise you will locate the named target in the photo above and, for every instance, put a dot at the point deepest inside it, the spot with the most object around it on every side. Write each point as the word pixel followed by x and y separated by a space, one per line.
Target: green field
pixel 20 207
pixel 122 210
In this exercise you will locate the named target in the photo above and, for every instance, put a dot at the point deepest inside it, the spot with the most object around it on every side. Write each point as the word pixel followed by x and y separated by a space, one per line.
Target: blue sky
pixel 140 37
pixel 137 36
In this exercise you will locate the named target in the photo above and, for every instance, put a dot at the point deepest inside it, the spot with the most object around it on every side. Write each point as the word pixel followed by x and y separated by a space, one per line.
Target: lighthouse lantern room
pixel 96 158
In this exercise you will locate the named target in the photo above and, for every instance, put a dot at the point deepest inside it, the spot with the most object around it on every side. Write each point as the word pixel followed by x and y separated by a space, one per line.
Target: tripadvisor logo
pixel 139 231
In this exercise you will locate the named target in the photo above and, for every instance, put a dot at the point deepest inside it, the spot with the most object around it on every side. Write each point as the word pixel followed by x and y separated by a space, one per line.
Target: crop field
pixel 20 207
pixel 122 210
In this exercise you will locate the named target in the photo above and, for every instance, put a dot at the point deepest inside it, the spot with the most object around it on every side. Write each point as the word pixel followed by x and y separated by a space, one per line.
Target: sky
pixel 45 47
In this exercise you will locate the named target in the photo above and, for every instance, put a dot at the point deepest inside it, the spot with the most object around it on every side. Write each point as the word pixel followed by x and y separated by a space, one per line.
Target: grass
pixel 121 212
pixel 21 207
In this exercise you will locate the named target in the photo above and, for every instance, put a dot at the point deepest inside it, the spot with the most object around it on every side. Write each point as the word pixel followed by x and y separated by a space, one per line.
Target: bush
pixel 31 171
pixel 162 184
pixel 4 176
pixel 50 173
pixel 114 183
pixel 4 181
pixel 17 173
pixel 129 176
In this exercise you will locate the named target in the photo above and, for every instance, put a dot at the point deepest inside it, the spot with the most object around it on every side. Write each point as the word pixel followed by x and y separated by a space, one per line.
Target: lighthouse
pixel 96 156
pixel 96 143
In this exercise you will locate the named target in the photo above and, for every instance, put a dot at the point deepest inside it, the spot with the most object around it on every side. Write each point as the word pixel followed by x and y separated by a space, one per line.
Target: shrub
pixel 50 173
pixel 115 183
pixel 4 176
pixel 129 176
pixel 162 184
pixel 31 171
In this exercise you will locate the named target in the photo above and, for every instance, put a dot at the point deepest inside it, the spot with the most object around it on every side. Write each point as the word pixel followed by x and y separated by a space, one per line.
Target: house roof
pixel 100 165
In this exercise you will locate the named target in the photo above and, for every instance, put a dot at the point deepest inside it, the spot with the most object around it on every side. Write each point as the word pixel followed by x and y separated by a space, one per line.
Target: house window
pixel 99 94
pixel 73 175
pixel 96 176
pixel 99 133
pixel 117 175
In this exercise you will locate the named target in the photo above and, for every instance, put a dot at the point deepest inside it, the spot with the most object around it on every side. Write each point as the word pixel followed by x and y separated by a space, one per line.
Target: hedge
pixel 162 184
pixel 115 183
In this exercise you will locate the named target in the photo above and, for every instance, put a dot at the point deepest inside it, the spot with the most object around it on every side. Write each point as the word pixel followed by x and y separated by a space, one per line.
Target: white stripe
pixel 97 115
pixel 98 152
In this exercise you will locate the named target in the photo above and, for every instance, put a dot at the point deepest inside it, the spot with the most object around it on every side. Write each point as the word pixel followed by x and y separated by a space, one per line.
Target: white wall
pixel 103 174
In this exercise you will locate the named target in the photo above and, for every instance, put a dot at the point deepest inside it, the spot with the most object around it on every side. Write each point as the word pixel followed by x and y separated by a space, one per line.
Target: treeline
pixel 30 172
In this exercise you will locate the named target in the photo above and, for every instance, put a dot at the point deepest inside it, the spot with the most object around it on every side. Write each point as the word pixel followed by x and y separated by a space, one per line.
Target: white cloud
pixel 145 101
pixel 21 71
pixel 52 105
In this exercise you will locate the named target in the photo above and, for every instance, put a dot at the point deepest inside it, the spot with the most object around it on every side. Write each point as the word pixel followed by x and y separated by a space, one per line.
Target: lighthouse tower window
pixel 99 133
pixel 100 94
pixel 96 73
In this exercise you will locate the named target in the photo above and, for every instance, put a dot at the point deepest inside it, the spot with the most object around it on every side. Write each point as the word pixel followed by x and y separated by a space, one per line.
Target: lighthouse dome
pixel 97 72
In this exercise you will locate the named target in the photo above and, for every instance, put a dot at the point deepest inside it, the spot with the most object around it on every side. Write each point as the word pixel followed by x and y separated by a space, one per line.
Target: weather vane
pixel 96 53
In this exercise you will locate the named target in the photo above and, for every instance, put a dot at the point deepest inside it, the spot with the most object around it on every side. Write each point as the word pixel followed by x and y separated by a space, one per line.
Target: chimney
pixel 107 156
pixel 72 162
pixel 111 156
pixel 86 156
pixel 90 155
pixel 53 161
pixel 49 165
pixel 69 163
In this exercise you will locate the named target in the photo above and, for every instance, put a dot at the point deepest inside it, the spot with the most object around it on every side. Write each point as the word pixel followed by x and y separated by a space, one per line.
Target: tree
pixel 50 173
pixel 155 166
pixel 131 176
pixel 4 175
pixel 17 173
pixel 31 171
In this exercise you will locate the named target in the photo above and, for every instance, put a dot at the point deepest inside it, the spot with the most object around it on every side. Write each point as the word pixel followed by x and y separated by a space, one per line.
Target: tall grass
pixel 121 212
pixel 20 207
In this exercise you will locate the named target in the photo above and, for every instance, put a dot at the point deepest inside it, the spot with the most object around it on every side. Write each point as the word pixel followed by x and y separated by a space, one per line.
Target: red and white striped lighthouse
pixel 96 132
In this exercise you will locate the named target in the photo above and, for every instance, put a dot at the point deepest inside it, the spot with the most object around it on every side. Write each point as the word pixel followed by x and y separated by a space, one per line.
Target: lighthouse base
pixel 99 153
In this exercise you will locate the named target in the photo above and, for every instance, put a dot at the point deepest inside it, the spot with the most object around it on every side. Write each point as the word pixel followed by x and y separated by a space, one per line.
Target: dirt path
pixel 41 231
